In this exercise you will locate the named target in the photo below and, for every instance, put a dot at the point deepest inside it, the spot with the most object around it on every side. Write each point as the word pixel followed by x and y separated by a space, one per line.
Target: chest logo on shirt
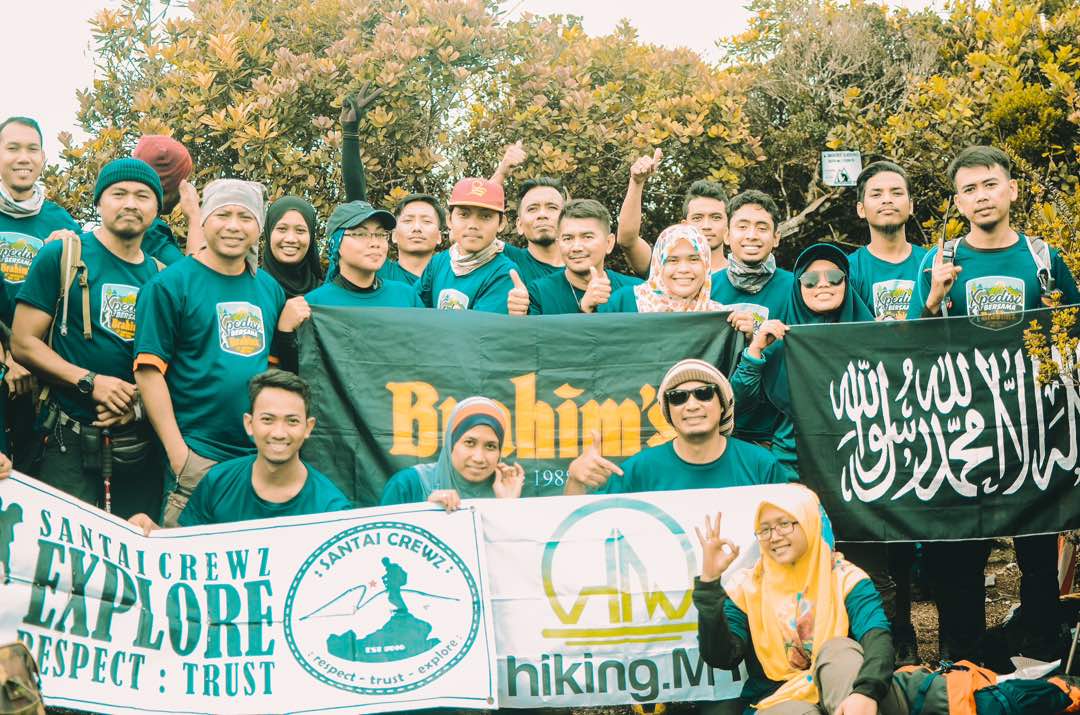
pixel 760 312
pixel 240 328
pixel 892 298
pixel 451 299
pixel 118 309
pixel 17 251
pixel 995 301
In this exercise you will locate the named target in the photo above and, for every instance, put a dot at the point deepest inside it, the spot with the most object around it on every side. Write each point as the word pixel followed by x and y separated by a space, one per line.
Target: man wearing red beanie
pixel 172 162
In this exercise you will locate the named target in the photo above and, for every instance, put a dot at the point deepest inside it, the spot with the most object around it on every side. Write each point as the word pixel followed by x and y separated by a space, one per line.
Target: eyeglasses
pixel 701 394
pixel 810 279
pixel 369 235
pixel 782 528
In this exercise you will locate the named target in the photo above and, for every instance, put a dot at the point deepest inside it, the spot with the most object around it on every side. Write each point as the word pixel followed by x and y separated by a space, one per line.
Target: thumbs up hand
pixel 644 167
pixel 598 291
pixel 591 469
pixel 517 300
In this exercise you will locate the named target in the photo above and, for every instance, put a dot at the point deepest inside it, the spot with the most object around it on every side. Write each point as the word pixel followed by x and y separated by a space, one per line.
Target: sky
pixel 59 62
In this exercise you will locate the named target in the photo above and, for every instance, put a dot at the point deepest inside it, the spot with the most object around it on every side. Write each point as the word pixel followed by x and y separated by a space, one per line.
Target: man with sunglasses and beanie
pixel 697 400
pixel 99 448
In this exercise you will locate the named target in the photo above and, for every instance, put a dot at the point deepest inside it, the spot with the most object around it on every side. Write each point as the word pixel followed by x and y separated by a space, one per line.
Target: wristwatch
pixel 85 385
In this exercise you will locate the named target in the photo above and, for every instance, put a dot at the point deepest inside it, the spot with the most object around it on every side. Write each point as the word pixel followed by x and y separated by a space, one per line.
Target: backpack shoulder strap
pixel 948 253
pixel 72 267
pixel 1040 253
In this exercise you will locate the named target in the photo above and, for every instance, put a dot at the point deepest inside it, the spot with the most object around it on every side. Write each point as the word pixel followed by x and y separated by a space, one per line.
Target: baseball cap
pixel 482 193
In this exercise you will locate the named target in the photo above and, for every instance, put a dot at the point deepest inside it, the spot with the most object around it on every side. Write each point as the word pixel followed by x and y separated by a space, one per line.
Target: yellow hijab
pixel 794 610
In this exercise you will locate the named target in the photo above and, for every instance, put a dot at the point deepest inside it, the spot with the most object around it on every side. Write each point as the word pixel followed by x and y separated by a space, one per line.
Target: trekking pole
pixel 106 467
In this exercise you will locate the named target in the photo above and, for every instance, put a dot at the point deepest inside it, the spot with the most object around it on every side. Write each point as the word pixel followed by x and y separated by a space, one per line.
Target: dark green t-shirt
pixel 160 243
pixel 483 289
pixel 885 287
pixel 553 294
pixel 528 267
pixel 387 294
pixel 114 286
pixel 392 271
pixel 660 469
pixel 995 285
pixel 772 302
pixel 225 494
pixel 213 333
pixel 623 300
pixel 22 238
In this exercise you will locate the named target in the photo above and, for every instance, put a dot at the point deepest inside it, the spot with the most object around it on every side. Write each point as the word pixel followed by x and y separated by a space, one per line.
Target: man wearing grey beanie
pixel 207 326
pixel 697 400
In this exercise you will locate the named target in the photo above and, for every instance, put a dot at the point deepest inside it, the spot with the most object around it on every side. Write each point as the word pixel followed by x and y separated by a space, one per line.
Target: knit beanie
pixel 688 370
pixel 168 157
pixel 127 169
pixel 235 192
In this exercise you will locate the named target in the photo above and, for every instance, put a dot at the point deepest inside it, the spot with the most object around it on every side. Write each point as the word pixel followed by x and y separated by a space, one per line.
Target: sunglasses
pixel 701 394
pixel 810 279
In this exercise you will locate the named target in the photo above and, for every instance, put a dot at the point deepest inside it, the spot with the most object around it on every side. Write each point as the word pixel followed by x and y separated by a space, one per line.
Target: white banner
pixel 368 610
pixel 362 611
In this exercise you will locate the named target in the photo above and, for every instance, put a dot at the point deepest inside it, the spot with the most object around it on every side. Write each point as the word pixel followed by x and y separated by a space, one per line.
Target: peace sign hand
pixel 714 559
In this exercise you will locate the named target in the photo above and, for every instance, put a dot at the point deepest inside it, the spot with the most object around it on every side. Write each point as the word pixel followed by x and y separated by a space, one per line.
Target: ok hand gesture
pixel 715 560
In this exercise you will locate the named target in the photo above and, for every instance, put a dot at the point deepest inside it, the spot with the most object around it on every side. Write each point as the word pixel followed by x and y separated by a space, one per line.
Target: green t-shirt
pixel 22 238
pixel 994 285
pixel 483 289
pixel 160 243
pixel 759 422
pixel 660 469
pixel 883 286
pixel 114 286
pixel 213 333
pixel 387 294
pixel 622 300
pixel 225 494
pixel 528 267
pixel 392 271
pixel 553 294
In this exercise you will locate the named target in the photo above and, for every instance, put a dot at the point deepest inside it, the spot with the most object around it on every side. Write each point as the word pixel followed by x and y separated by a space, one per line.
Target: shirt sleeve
pixel 197 511
pixel 922 286
pixel 424 286
pixel 352 168
pixel 1064 280
pixel 865 609
pixel 723 629
pixel 746 382
pixel 41 287
pixel 169 253
pixel 157 317
pixel 536 306
pixel 401 489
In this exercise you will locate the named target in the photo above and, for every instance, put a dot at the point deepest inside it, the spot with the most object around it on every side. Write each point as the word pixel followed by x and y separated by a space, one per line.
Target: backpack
pixel 948 690
pixel 1040 254
pixel 20 683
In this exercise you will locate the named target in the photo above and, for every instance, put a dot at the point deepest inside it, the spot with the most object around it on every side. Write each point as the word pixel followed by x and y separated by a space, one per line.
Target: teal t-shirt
pixel 483 289
pixel 885 287
pixel 160 243
pixel 622 300
pixel 225 494
pixel 22 238
pixel 759 422
pixel 404 487
pixel 660 469
pixel 529 268
pixel 392 271
pixel 114 286
pixel 213 332
pixel 994 285
pixel 387 294
pixel 553 294
pixel 865 613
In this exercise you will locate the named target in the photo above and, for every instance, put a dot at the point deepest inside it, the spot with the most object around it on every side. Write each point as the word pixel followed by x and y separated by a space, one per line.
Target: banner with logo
pixel 381 403
pixel 935 429
pixel 593 595
pixel 362 611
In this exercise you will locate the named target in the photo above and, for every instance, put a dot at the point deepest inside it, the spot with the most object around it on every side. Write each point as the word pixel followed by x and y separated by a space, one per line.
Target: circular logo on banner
pixel 382 608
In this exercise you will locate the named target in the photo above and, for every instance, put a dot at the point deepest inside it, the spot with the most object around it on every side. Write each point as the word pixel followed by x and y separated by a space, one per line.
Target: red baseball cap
pixel 483 193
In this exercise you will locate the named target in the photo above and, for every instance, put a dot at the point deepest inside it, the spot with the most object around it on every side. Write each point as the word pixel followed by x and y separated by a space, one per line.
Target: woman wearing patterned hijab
pixel 679 278
pixel 469 465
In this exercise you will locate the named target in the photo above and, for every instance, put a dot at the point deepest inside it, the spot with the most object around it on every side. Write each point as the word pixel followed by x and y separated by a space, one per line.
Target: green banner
pixel 385 380
pixel 934 429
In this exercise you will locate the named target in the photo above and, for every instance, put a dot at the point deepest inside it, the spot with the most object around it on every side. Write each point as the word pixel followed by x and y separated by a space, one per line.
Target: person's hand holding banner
pixel 509 480
pixel 769 332
pixel 447 498
pixel 591 470
pixel 5 466
pixel 597 293
pixel 144 522
pixel 743 321
pixel 517 300
pixel 715 559
pixel 296 311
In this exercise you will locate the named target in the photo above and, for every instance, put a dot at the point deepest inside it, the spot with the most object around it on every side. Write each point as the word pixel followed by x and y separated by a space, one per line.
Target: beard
pixel 543 240
pixel 891 228
pixel 126 231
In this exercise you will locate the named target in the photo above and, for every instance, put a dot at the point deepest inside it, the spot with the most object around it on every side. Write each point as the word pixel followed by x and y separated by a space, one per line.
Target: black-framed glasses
pixel 782 528
pixel 364 235
pixel 834 277
pixel 702 394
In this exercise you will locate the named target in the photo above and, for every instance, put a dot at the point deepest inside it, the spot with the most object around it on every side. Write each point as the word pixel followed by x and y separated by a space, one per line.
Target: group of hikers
pixel 160 382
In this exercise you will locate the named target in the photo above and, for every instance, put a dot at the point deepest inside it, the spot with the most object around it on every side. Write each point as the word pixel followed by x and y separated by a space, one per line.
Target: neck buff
pixel 25 208
pixel 747 278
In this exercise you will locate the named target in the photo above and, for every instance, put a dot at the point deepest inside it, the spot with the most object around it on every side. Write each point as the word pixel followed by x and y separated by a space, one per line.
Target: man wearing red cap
pixel 172 162
pixel 474 274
